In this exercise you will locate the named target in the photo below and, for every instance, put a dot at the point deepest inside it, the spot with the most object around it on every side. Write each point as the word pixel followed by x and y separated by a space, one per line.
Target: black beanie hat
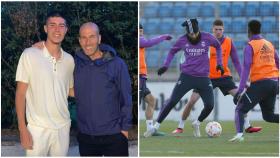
pixel 191 25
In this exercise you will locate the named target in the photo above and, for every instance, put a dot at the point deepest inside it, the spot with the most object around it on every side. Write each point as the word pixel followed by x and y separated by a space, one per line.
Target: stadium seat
pixel 224 9
pixel 266 8
pixel 178 29
pixel 179 11
pixel 164 11
pixel 237 9
pixel 252 9
pixel 151 26
pixel 150 11
pixel 152 58
pixel 166 25
pixel 240 40
pixel 143 21
pixel 206 24
pixel 207 10
pixel 276 9
pixel 193 10
pixel 268 24
pixel 150 4
pixel 239 25
pixel 227 24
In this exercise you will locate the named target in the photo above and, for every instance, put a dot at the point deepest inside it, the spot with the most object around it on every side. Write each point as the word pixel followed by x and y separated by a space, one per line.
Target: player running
pixel 224 83
pixel 145 93
pixel 261 63
pixel 194 70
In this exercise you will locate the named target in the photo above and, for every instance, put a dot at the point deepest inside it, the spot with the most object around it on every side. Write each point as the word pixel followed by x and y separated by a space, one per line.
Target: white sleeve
pixel 23 69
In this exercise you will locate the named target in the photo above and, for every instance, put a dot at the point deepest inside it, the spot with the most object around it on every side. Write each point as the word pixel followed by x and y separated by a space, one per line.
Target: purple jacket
pixel 103 93
pixel 195 60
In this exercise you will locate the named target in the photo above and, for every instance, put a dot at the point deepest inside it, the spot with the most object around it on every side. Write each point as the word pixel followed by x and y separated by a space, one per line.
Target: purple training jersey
pixel 195 60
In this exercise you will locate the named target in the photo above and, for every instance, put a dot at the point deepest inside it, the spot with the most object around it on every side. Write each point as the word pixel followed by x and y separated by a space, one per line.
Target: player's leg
pixel 267 105
pixel 151 101
pixel 181 88
pixel 247 102
pixel 207 96
pixel 145 94
pixel 190 104
pixel 227 86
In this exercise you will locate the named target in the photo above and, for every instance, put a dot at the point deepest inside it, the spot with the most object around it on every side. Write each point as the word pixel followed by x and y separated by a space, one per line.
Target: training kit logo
pixel 203 44
pixel 265 49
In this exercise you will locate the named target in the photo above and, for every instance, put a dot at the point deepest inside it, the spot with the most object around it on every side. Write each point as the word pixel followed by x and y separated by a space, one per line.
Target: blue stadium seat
pixel 224 9
pixel 143 21
pixel 193 10
pixel 237 9
pixel 152 58
pixel 179 11
pixel 240 40
pixel 266 9
pixel 227 24
pixel 239 25
pixel 151 26
pixel 207 10
pixel 164 11
pixel 166 45
pixel 150 11
pixel 150 4
pixel 269 24
pixel 276 8
pixel 206 24
pixel 166 25
pixel 178 29
pixel 252 9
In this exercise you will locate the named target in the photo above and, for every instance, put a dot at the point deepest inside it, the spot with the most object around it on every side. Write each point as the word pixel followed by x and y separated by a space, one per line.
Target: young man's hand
pixel 39 45
pixel 125 133
pixel 26 139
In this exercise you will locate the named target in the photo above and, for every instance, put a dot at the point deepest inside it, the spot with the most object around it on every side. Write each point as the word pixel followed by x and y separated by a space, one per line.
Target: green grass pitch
pixel 265 143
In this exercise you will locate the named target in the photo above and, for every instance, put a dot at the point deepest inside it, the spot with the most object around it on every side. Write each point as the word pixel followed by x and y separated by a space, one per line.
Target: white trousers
pixel 52 142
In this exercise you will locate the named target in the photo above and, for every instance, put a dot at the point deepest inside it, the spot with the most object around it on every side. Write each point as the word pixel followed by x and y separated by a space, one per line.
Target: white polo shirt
pixel 48 82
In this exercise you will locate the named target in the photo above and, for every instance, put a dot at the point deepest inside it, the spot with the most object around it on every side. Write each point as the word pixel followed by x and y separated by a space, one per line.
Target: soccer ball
pixel 213 129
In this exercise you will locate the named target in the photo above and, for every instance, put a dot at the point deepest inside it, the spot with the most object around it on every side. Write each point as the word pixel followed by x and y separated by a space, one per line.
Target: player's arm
pixel 25 136
pixel 216 44
pixel 248 57
pixel 175 49
pixel 276 58
pixel 235 60
pixel 144 43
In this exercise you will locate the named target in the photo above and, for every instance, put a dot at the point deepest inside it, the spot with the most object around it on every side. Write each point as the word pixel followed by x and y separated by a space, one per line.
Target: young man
pixel 145 93
pixel 224 83
pixel 261 63
pixel 194 70
pixel 103 97
pixel 44 77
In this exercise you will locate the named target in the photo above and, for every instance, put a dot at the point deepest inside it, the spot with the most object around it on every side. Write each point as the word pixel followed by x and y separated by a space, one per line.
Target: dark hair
pixel 254 26
pixel 191 25
pixel 55 14
pixel 140 26
pixel 218 22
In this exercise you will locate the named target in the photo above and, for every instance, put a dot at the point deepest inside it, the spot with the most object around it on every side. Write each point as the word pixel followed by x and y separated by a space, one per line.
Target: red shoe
pixel 253 129
pixel 178 131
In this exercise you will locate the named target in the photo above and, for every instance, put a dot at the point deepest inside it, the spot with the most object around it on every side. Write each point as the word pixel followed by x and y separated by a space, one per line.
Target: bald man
pixel 103 96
